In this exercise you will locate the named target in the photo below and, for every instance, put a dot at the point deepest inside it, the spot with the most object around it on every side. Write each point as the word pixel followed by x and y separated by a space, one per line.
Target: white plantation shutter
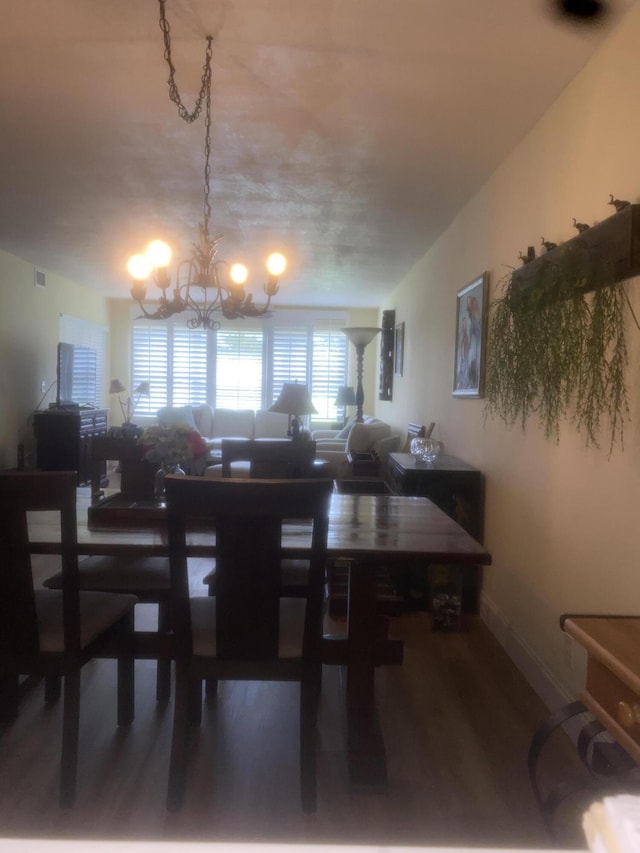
pixel 290 358
pixel 239 366
pixel 239 369
pixel 89 370
pixel 329 370
pixel 150 355
pixel 189 367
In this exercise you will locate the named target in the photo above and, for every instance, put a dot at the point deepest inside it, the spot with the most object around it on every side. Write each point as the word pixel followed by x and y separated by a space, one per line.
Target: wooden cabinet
pixel 458 489
pixel 63 439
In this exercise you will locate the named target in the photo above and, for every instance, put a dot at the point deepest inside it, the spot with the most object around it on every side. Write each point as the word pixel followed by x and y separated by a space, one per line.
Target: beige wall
pixel 29 334
pixel 561 520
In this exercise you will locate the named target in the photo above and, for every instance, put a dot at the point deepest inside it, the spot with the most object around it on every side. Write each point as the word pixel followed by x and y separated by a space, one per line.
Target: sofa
pixel 216 424
pixel 370 435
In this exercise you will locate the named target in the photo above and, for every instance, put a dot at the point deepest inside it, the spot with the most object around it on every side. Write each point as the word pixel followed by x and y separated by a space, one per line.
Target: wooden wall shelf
pixel 613 243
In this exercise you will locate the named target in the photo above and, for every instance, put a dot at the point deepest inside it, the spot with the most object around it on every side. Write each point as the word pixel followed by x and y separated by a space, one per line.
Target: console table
pixel 458 489
pixel 64 437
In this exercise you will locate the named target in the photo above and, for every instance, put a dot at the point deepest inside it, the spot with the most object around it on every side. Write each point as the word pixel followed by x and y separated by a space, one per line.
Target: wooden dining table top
pixel 360 526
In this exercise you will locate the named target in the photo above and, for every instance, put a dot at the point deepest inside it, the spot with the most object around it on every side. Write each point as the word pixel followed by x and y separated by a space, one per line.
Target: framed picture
pixel 471 333
pixel 398 360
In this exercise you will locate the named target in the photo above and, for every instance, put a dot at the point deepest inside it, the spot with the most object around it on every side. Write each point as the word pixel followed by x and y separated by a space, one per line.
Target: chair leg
pixel 195 702
pixel 126 674
pixel 309 700
pixel 163 671
pixel 178 759
pixel 70 727
pixel 52 690
pixel 9 694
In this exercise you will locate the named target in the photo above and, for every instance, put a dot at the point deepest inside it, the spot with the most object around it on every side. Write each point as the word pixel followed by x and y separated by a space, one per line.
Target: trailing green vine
pixel 557 349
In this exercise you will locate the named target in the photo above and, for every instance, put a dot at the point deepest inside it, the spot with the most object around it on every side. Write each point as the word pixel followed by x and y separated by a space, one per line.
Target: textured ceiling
pixel 347 133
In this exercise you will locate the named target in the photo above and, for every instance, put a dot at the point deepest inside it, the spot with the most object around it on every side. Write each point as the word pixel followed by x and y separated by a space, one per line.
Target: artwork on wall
pixel 386 355
pixel 471 333
pixel 399 350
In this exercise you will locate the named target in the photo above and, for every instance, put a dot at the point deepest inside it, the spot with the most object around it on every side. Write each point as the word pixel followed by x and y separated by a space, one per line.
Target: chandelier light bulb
pixel 238 273
pixel 158 253
pixel 276 264
pixel 138 267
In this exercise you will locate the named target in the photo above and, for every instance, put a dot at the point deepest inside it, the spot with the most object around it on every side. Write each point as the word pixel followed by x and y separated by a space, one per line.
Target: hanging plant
pixel 557 347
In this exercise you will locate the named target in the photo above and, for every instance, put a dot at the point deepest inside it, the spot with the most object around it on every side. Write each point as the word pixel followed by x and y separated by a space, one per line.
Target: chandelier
pixel 205 284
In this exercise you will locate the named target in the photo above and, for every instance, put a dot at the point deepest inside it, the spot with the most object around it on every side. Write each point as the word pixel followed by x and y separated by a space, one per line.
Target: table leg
pixel 365 746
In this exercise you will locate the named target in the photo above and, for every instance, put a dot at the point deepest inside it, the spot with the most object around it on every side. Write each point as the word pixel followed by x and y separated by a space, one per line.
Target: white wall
pixel 561 520
pixel 29 334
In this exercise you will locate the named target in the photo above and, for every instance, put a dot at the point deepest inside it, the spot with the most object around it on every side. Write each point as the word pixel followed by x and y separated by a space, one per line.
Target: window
pixel 90 345
pixel 239 366
pixel 329 369
pixel 238 369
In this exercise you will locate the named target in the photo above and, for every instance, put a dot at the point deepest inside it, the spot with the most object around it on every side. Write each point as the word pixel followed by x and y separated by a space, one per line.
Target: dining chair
pixel 275 458
pixel 145 577
pixel 249 630
pixel 54 633
pixel 264 459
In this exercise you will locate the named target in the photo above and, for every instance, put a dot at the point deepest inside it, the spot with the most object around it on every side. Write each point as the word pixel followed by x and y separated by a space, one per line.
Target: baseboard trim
pixel 553 693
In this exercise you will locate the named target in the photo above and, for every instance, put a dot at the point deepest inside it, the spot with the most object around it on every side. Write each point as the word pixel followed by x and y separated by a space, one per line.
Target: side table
pixel 608 710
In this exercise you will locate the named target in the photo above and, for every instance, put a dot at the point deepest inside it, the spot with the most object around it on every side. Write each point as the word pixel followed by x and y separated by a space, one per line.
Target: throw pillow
pixel 346 429
pixel 176 415
pixel 364 436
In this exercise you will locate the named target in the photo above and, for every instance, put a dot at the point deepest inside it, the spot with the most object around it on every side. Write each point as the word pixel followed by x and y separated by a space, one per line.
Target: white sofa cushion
pixel 233 423
pixel 270 424
pixel 176 416
pixel 203 416
pixel 363 436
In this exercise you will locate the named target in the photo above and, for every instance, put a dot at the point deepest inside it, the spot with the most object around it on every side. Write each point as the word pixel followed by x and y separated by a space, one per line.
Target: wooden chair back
pixel 136 473
pixel 22 492
pixel 247 517
pixel 269 458
pixel 417 431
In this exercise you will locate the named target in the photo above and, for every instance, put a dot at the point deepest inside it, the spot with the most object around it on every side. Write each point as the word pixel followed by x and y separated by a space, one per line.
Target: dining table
pixel 364 531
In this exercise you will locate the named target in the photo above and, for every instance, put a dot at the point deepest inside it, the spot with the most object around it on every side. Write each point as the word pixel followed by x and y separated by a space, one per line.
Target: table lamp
pixel 346 396
pixel 294 400
pixel 128 408
pixel 360 336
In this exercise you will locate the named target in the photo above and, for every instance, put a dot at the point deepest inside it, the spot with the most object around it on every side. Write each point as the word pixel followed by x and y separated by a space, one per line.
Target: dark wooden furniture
pixel 458 489
pixel 613 243
pixel 387 349
pixel 608 711
pixel 52 634
pixel 248 631
pixel 364 530
pixel 145 576
pixel 64 438
pixel 269 457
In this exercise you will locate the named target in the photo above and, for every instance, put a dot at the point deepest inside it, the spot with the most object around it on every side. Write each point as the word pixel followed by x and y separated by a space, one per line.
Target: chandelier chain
pixel 205 80
pixel 203 96
pixel 201 272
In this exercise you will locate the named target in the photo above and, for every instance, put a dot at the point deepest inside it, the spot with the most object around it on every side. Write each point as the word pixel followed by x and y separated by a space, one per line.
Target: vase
pixel 158 480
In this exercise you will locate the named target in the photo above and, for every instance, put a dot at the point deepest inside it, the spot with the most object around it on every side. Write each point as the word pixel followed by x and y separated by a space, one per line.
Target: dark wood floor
pixel 457 720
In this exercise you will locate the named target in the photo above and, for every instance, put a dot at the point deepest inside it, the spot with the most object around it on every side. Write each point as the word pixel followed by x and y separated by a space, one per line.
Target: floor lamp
pixel 360 336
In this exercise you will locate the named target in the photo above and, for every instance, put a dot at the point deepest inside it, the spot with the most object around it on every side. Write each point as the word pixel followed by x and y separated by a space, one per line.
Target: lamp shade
pixel 116 387
pixel 346 396
pixel 143 389
pixel 294 399
pixel 360 336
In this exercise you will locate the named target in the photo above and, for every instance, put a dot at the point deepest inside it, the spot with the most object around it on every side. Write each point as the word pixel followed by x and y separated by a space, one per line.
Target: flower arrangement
pixel 179 444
